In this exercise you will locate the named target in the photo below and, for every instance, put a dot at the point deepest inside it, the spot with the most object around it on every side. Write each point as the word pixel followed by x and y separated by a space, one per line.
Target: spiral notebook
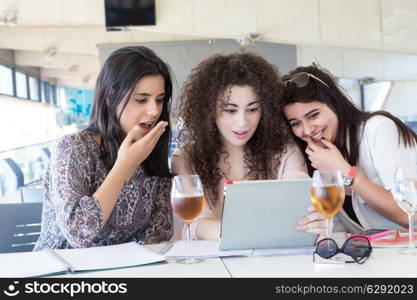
pixel 57 261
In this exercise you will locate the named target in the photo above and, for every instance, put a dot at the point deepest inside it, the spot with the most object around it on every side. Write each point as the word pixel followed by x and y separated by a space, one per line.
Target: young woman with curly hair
pixel 233 130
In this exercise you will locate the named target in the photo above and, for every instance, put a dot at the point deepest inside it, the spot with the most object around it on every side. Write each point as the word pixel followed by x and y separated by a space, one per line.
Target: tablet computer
pixel 264 214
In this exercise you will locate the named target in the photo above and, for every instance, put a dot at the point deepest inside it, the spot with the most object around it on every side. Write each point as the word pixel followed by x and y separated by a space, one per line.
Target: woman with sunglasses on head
pixel 228 106
pixel 110 183
pixel 365 147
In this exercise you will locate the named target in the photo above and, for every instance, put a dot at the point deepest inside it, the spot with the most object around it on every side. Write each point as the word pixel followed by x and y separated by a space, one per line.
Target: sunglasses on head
pixel 358 248
pixel 302 79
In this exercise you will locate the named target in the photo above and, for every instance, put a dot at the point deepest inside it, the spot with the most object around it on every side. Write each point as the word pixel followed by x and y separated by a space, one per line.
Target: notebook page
pixel 108 257
pixel 29 264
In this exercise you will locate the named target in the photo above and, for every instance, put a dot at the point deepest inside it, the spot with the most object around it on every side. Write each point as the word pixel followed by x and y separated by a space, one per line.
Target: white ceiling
pixel 73 29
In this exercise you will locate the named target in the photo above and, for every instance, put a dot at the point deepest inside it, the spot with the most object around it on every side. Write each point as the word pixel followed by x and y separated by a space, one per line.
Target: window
pixel 47 91
pixel 52 96
pixel 6 80
pixel 34 88
pixel 21 85
pixel 43 96
pixel 62 97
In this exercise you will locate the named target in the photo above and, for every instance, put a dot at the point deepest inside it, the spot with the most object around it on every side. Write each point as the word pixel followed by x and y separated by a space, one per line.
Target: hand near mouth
pixel 133 151
pixel 325 156
pixel 316 142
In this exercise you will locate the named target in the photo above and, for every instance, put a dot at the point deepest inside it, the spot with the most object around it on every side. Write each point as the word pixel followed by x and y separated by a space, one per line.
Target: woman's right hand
pixel 133 150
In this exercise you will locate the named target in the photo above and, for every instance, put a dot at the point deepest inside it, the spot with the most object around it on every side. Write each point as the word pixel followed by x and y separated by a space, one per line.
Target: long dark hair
pixel 207 84
pixel 117 79
pixel 349 116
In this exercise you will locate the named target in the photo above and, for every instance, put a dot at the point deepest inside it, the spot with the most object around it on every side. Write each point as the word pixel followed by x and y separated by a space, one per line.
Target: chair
pixel 31 194
pixel 20 226
pixel 11 175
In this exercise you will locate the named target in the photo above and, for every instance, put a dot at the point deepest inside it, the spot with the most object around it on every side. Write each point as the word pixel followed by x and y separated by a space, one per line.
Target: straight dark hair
pixel 116 82
pixel 349 116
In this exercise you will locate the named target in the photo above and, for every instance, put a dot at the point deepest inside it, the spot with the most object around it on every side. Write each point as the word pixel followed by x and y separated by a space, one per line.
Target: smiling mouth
pixel 240 134
pixel 318 136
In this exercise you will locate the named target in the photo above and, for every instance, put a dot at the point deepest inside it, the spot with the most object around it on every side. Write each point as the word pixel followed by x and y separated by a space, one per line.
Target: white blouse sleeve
pixel 387 153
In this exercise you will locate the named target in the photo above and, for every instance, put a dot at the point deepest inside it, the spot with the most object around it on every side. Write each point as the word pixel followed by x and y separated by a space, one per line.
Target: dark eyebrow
pixel 235 105
pixel 147 94
pixel 305 115
pixel 253 102
pixel 227 104
pixel 311 112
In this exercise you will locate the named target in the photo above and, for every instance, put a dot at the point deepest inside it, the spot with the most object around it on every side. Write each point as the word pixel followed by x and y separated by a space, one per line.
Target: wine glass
pixel 327 194
pixel 187 200
pixel 405 194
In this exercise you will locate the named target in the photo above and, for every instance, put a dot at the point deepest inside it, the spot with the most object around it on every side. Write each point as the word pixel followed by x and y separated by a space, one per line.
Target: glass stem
pixel 410 231
pixel 188 242
pixel 328 233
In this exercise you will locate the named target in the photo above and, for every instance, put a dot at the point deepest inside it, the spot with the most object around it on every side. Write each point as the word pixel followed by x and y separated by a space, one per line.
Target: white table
pixel 385 262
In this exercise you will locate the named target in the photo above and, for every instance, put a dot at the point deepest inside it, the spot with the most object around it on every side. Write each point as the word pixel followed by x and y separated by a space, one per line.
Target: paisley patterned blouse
pixel 72 217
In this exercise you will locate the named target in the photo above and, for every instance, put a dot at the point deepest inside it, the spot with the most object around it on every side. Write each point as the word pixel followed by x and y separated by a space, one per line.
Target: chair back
pixel 31 194
pixel 20 226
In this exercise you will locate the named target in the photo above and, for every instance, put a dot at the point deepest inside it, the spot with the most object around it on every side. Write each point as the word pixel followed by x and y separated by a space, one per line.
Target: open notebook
pixel 58 261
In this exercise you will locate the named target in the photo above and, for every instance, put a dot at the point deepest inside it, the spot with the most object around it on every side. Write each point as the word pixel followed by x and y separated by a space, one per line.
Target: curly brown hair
pixel 207 84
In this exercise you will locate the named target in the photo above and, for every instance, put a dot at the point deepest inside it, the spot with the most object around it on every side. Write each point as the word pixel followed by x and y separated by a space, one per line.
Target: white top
pixel 379 154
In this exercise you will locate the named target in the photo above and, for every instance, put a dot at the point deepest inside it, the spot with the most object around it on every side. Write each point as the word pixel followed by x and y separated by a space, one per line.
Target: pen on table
pixel 69 267
pixel 166 248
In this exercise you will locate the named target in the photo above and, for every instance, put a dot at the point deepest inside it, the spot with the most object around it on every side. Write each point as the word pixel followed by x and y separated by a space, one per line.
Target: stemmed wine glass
pixel 187 200
pixel 327 194
pixel 405 194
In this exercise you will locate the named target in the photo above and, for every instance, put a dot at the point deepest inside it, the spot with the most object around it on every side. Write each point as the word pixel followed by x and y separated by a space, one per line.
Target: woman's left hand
pixel 326 156
pixel 315 223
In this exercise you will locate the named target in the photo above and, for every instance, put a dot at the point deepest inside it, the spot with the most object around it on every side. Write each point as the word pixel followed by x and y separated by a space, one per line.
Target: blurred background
pixel 51 52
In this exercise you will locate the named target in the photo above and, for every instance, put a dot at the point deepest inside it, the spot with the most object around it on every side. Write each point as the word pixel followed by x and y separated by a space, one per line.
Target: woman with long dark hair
pixel 366 147
pixel 110 183
pixel 228 108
